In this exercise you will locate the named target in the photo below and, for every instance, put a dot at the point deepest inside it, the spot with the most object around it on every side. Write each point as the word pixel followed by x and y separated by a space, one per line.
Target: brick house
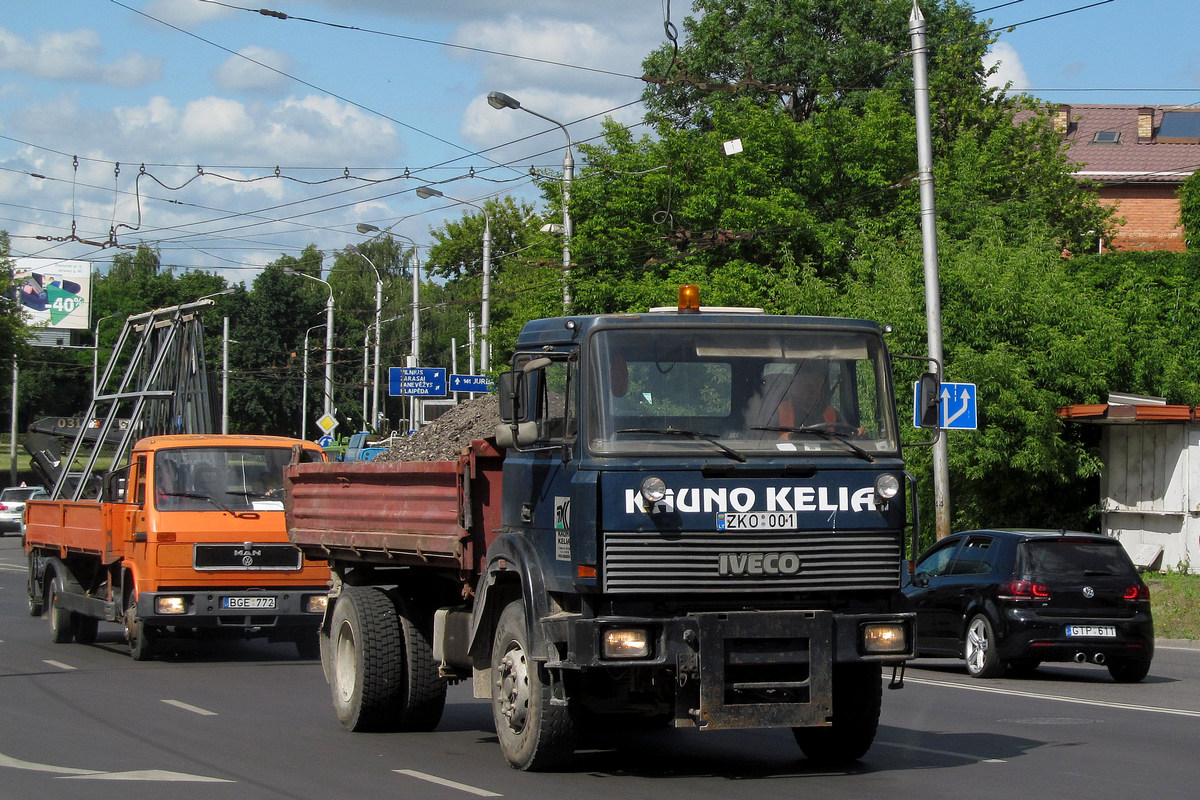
pixel 1138 156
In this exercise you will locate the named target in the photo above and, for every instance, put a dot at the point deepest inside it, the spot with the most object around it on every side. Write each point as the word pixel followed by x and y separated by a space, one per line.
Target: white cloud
pixel 241 73
pixel 185 13
pixel 74 56
pixel 1010 71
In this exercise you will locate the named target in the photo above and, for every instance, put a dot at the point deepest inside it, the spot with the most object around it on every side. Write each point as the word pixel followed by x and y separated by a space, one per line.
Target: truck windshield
pixel 220 478
pixel 793 391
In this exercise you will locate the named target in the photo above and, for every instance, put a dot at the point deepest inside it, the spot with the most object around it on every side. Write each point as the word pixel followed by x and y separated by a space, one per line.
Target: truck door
pixel 539 479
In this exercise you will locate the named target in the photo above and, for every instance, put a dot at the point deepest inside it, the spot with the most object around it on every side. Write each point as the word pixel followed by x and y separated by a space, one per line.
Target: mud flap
pixel 760 670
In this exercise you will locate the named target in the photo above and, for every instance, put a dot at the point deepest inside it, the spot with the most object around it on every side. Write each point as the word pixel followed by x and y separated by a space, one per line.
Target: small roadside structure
pixel 1150 486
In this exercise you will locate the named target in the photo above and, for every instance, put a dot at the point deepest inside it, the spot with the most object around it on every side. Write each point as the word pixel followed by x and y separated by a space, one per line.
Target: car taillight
pixel 3 506
pixel 1025 590
pixel 1136 592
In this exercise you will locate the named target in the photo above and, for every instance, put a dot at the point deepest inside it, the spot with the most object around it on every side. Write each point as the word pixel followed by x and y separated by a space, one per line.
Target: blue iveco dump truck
pixel 688 517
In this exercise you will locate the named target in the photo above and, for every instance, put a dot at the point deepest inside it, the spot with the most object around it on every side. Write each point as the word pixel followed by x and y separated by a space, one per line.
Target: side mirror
pixel 510 393
pixel 929 401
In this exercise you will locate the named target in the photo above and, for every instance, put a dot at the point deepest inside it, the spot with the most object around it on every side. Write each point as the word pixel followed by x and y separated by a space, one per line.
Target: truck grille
pixel 784 561
pixel 247 556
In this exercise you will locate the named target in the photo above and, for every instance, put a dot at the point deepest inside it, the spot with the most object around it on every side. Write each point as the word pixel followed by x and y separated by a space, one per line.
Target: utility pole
pixel 933 302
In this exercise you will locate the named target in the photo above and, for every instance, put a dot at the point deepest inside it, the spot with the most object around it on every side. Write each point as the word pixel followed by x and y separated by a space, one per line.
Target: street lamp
pixel 501 100
pixel 304 389
pixel 328 337
pixel 426 192
pixel 378 312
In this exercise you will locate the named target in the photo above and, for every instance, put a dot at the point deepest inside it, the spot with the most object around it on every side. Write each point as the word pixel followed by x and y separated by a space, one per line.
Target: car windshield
pixel 1065 558
pixel 734 393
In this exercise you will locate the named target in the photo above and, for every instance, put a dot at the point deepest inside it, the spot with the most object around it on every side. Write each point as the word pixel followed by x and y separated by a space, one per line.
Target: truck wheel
pixel 423 698
pixel 857 698
pixel 85 628
pixel 61 629
pixel 534 734
pixel 365 659
pixel 36 601
pixel 140 635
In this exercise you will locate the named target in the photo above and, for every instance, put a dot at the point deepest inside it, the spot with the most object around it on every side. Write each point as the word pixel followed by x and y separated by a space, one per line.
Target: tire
pixel 857 699
pixel 534 733
pixel 365 663
pixel 61 629
pixel 1129 670
pixel 141 637
pixel 36 598
pixel 979 649
pixel 85 628
pixel 424 691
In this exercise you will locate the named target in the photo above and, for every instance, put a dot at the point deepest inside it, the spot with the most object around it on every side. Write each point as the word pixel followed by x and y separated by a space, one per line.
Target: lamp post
pixel 224 362
pixel 378 313
pixel 501 100
pixel 96 352
pixel 328 336
pixel 304 390
pixel 429 191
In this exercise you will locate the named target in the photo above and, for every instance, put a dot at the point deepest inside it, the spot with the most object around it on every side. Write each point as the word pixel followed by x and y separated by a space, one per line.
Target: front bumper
pixel 252 608
pixel 741 669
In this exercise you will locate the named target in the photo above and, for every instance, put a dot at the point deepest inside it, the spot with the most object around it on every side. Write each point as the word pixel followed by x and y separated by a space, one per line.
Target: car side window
pixel 975 557
pixel 935 564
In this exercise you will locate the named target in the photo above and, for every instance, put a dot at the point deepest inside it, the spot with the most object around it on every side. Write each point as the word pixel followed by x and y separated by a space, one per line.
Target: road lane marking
pixel 58 664
pixel 462 787
pixel 1179 712
pixel 73 773
pixel 950 753
pixel 204 712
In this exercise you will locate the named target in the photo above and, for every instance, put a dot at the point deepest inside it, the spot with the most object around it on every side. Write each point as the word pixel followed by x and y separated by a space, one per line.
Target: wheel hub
pixel 513 682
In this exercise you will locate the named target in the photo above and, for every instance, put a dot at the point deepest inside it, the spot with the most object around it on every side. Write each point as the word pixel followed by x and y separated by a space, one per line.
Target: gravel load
pixel 442 439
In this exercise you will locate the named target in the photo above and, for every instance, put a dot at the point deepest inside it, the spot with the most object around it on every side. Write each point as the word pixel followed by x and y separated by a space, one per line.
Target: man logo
pixel 758 564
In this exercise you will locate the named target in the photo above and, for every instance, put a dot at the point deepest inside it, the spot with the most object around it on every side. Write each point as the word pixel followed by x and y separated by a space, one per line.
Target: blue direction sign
pixel 470 383
pixel 958 410
pixel 417 381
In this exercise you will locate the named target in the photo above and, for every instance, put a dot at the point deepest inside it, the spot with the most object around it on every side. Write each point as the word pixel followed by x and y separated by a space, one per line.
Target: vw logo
pixel 248 561
pixel 1089 592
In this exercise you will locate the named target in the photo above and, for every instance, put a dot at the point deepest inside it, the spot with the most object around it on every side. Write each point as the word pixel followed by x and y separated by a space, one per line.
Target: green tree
pixel 1189 210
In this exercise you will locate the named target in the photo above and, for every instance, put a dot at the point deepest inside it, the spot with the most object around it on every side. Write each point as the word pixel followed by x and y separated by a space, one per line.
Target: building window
pixel 1107 137
pixel 1180 127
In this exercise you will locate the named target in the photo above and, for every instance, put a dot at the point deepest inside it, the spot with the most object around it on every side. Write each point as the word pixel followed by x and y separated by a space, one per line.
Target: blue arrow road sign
pixel 958 410
pixel 417 381
pixel 470 383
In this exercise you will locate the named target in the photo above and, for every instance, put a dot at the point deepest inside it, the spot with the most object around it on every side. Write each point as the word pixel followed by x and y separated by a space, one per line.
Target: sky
pixel 227 138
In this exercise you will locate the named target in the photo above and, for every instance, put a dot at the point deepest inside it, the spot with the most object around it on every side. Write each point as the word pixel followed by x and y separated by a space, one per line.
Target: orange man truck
pixel 188 538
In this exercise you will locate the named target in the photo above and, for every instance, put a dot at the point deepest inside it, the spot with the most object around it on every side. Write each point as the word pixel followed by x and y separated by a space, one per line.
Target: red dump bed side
pixel 429 513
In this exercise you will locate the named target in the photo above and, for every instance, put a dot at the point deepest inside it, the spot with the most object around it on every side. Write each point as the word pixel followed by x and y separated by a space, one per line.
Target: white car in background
pixel 12 506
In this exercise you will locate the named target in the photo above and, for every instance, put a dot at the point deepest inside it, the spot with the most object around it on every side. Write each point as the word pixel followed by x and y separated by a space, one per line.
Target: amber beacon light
pixel 689 298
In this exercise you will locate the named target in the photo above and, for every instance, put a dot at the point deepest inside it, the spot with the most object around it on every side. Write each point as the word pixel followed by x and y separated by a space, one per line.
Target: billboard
pixel 53 294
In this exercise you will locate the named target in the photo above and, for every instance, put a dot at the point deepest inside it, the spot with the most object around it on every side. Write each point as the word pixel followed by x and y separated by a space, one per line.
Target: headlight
pixel 316 603
pixel 879 638
pixel 653 490
pixel 170 605
pixel 887 486
pixel 626 643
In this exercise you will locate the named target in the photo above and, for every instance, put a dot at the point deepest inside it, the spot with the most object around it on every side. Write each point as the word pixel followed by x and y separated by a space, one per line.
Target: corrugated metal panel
pixel 651 564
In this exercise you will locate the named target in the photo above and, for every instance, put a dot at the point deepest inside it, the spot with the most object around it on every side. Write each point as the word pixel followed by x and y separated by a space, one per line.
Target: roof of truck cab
pixel 563 330
pixel 214 439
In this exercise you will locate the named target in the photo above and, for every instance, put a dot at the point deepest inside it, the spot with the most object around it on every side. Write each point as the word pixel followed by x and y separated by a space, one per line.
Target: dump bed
pixel 428 513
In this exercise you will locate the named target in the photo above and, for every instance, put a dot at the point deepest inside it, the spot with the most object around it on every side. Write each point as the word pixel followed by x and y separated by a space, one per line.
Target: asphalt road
pixel 248 720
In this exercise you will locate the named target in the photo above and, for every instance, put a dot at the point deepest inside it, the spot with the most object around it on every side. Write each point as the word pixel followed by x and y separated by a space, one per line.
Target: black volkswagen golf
pixel 1012 599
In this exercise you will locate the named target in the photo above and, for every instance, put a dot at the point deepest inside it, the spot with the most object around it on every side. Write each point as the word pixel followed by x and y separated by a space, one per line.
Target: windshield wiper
pixel 817 430
pixel 711 438
pixel 205 497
